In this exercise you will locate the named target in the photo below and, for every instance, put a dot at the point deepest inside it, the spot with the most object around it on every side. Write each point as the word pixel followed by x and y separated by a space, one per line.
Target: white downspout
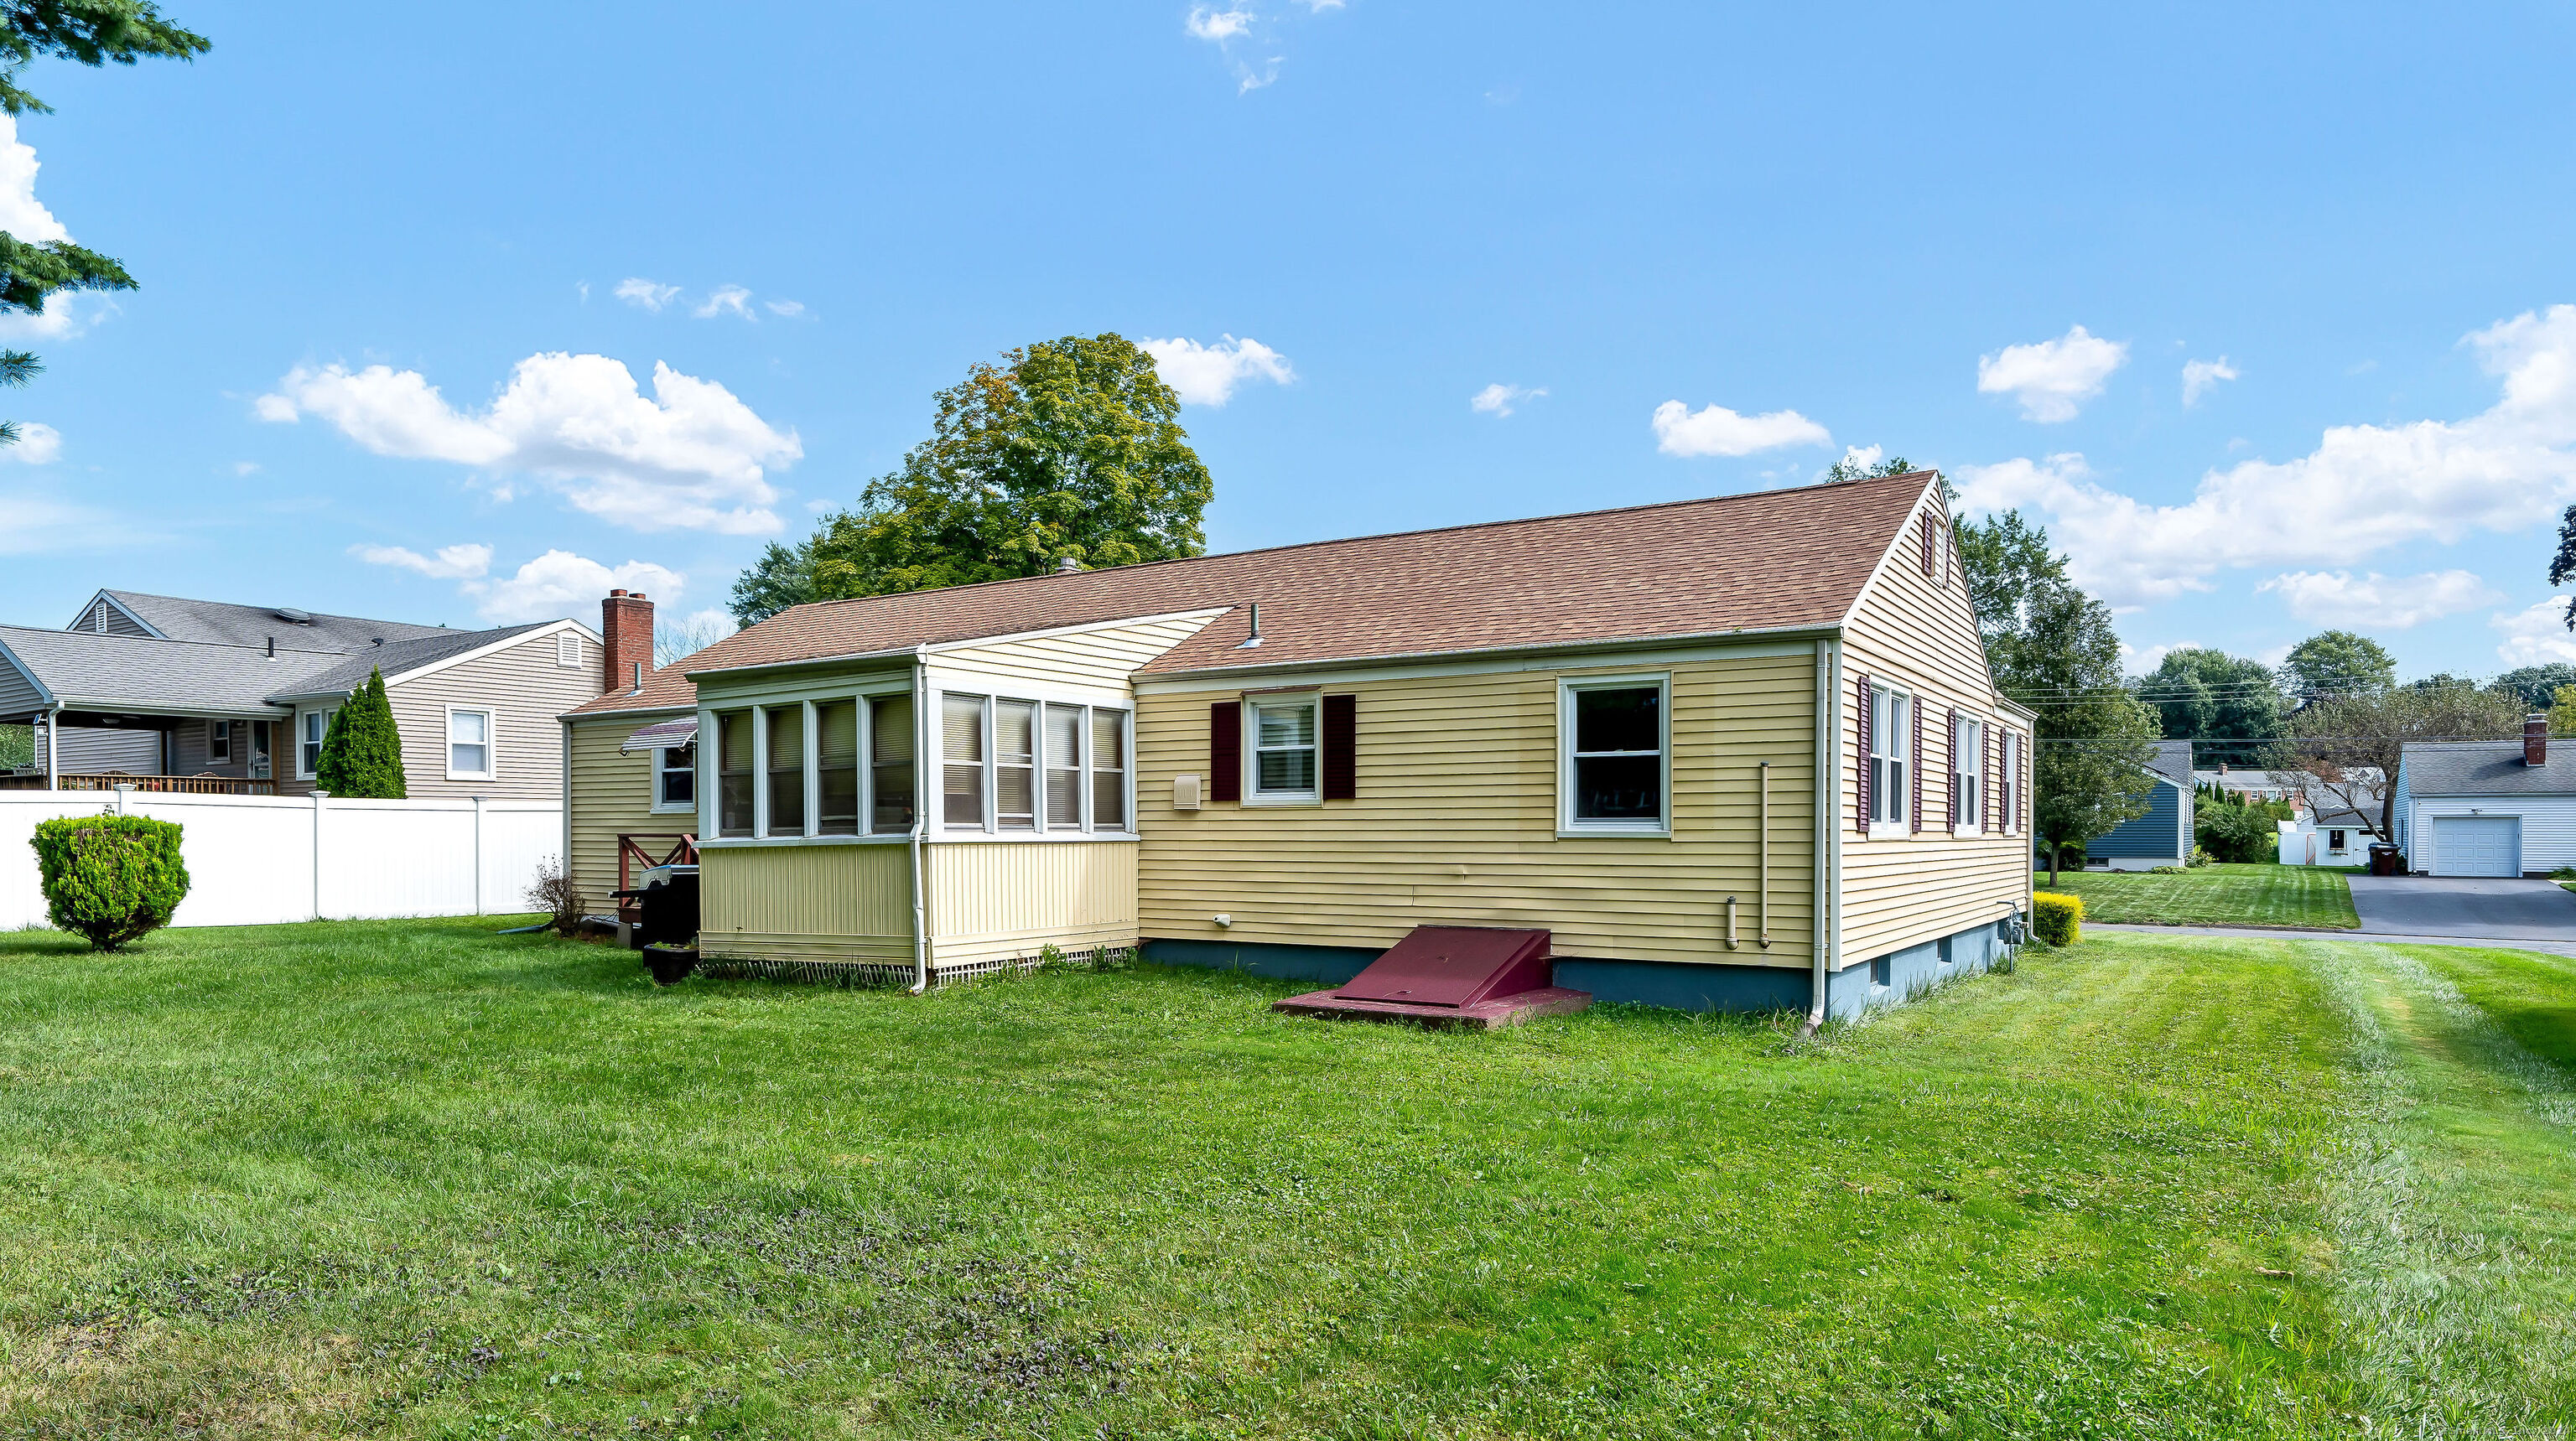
pixel 1826 944
pixel 922 774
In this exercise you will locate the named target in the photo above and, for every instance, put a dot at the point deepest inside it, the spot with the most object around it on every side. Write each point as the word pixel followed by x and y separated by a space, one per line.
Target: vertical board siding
pixel 1106 656
pixel 524 689
pixel 847 903
pixel 1916 632
pixel 1455 823
pixel 612 795
pixel 1003 900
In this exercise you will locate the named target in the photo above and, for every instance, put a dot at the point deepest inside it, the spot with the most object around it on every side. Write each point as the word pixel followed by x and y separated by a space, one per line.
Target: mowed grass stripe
pixel 2287 897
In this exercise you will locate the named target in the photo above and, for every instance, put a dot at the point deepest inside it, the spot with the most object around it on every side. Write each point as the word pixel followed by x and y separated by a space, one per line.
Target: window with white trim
pixel 675 777
pixel 311 727
pixel 1614 735
pixel 785 742
pixel 1062 750
pixel 836 765
pixel 1015 765
pixel 1108 759
pixel 1890 746
pixel 469 745
pixel 1282 759
pixel 1967 775
pixel 734 776
pixel 890 764
pixel 219 742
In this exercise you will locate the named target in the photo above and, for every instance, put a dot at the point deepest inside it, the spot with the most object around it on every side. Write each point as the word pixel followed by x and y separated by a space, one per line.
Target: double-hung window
pixel 311 727
pixel 890 764
pixel 961 756
pixel 1063 751
pixel 1108 770
pixel 1967 775
pixel 1614 736
pixel 219 742
pixel 1284 758
pixel 1891 731
pixel 675 778
pixel 836 765
pixel 733 773
pixel 786 769
pixel 1015 765
pixel 469 745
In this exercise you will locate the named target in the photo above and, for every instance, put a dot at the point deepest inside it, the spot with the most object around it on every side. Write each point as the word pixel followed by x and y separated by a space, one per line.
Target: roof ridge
pixel 271 609
pixel 47 630
pixel 1914 475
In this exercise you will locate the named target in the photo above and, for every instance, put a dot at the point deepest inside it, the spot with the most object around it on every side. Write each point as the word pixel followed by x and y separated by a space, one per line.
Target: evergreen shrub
pixel 362 751
pixel 110 878
pixel 2057 919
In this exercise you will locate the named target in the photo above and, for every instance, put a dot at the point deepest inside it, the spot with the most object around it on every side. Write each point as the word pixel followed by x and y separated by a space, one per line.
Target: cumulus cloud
pixel 21 213
pixel 2052 378
pixel 2339 598
pixel 692 457
pixel 2198 376
pixel 67 315
pixel 649 295
pixel 1208 374
pixel 559 585
pixel 1205 21
pixel 2363 489
pixel 452 562
pixel 38 444
pixel 2536 635
pixel 1499 400
pixel 1716 430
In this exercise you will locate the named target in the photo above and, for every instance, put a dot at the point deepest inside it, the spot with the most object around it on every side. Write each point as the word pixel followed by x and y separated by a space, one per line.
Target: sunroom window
pixel 890 764
pixel 1063 767
pixel 786 770
pixel 733 773
pixel 1015 761
pixel 1108 770
pixel 836 763
pixel 961 754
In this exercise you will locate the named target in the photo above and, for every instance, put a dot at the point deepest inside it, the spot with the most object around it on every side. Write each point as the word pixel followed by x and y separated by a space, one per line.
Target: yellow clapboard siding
pixel 819 895
pixel 1461 771
pixel 611 795
pixel 998 900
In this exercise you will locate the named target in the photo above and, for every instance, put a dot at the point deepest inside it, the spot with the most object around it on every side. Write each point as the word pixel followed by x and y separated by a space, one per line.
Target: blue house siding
pixel 2160 834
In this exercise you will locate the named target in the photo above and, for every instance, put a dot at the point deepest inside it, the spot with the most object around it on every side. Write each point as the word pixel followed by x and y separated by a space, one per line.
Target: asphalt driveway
pixel 2512 910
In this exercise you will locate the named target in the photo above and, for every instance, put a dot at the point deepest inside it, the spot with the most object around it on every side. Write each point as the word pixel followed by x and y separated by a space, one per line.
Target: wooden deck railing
pixel 630 854
pixel 165 785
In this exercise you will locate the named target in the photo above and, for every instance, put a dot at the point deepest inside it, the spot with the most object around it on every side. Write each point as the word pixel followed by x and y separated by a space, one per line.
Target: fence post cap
pixel 128 788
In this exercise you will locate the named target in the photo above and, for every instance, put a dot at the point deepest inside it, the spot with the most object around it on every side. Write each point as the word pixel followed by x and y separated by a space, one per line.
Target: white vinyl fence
pixel 259 860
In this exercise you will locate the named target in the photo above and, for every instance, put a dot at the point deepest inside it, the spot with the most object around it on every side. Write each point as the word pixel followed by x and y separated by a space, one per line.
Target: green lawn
pixel 413 1179
pixel 2293 897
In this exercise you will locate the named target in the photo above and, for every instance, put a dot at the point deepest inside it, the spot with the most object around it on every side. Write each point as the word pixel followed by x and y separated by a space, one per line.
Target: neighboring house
pixel 631 761
pixel 2488 808
pixel 2258 785
pixel 1739 752
pixel 2327 833
pixel 172 694
pixel 2164 835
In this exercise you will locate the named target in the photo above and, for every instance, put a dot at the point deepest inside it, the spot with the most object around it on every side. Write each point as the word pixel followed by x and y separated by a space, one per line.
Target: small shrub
pixel 2167 870
pixel 111 879
pixel 2563 873
pixel 555 894
pixel 1051 959
pixel 2057 919
pixel 2200 856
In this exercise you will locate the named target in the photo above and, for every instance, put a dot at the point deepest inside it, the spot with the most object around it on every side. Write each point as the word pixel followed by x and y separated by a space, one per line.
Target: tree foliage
pixel 1071 449
pixel 2351 743
pixel 2229 706
pixel 2052 648
pixel 1843 469
pixel 2562 566
pixel 362 751
pixel 2562 712
pixel 110 879
pixel 2332 662
pixel 2536 685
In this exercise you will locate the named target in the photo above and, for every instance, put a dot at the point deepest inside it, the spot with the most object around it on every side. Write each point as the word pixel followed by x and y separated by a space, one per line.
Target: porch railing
pixel 165 785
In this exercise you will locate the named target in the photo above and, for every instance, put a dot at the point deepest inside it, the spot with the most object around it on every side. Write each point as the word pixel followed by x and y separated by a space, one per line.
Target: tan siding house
pixel 1644 731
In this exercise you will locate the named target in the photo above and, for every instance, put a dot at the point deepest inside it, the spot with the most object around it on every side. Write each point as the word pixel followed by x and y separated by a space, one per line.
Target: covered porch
pixel 165 752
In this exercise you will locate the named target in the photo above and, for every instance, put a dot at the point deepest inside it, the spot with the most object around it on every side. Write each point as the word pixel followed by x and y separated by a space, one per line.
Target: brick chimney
pixel 627 623
pixel 2535 738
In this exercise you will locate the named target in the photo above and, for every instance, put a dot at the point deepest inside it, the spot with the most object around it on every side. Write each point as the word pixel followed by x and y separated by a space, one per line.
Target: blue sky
pixel 381 362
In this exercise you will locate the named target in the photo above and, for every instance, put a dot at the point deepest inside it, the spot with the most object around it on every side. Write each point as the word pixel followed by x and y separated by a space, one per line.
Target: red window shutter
pixel 1860 772
pixel 1928 566
pixel 1341 747
pixel 1953 818
pixel 1914 811
pixel 1996 786
pixel 1225 751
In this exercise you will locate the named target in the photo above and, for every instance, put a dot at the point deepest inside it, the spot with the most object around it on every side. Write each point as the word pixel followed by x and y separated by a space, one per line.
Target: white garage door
pixel 2483 846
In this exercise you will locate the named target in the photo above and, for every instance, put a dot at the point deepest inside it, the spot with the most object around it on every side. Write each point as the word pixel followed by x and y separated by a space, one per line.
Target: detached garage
pixel 2488 808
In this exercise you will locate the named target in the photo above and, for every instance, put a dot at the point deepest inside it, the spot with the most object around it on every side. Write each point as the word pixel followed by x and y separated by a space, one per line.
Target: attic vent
pixel 293 616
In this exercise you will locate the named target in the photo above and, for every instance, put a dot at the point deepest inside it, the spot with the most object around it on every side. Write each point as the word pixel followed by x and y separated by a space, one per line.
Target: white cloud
pixel 245 467
pixel 1208 374
pixel 1205 22
pixel 2138 660
pixel 453 562
pixel 789 308
pixel 2052 378
pixel 1860 457
pixel 2199 375
pixel 725 300
pixel 690 458
pixel 42 524
pixel 635 290
pixel 21 213
pixel 1499 400
pixel 559 583
pixel 67 315
pixel 2363 489
pixel 38 444
pixel 2339 598
pixel 1716 430
pixel 2535 636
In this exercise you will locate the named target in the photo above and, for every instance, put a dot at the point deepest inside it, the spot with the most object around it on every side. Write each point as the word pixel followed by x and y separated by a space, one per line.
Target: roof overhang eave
pixel 1619 645
pixel 820 662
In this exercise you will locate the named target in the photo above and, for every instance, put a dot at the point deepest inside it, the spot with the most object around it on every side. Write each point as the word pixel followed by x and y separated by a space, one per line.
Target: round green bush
pixel 110 878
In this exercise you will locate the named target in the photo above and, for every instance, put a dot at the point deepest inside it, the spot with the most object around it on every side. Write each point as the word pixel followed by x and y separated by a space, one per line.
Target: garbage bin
pixel 2386 860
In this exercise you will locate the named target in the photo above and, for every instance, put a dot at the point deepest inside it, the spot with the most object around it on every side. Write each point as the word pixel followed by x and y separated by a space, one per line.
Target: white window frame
pixel 304 772
pixel 661 767
pixel 491 743
pixel 1567 825
pixel 1899 763
pixel 219 732
pixel 1312 702
pixel 1967 815
pixel 568 650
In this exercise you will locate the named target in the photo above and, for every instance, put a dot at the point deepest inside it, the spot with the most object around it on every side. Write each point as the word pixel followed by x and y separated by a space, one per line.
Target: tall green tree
pixel 2228 705
pixel 362 751
pixel 2335 661
pixel 2051 647
pixel 1070 449
pixel 2536 685
pixel 85 32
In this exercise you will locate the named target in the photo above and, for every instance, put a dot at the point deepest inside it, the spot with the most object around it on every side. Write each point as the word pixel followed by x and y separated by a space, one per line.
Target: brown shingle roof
pixel 664 689
pixel 1769 560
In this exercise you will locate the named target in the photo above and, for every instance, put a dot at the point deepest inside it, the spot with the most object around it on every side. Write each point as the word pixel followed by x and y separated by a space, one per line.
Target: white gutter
pixel 922 771
pixel 1827 940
